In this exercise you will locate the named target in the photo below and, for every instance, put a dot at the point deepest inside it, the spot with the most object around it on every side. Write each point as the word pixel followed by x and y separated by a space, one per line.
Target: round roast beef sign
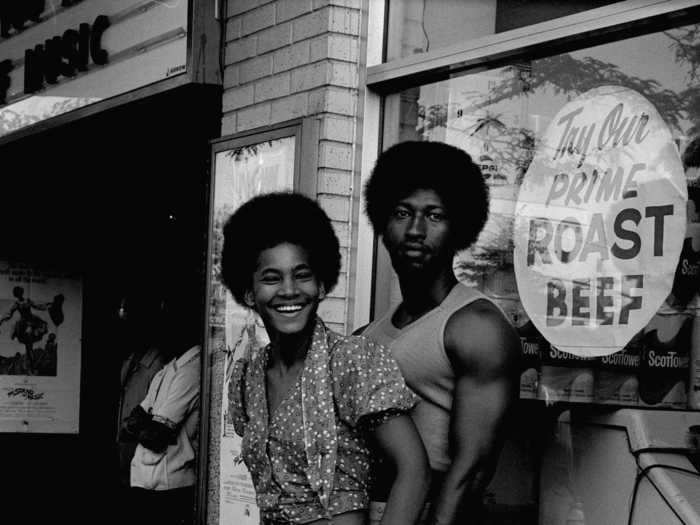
pixel 599 222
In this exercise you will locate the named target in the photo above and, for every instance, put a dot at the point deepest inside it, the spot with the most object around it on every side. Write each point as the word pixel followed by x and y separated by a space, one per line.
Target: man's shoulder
pixel 355 351
pixel 479 334
pixel 153 357
pixel 189 359
pixel 360 330
pixel 355 342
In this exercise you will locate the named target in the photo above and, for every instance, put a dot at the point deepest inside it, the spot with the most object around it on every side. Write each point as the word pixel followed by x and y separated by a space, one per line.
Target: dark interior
pixel 121 197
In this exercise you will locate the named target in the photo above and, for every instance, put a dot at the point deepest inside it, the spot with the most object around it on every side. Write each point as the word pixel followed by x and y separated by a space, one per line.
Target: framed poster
pixel 244 166
pixel 40 349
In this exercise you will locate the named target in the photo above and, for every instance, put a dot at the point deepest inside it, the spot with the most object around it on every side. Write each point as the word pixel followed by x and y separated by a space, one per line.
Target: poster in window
pixel 40 349
pixel 241 173
pixel 600 222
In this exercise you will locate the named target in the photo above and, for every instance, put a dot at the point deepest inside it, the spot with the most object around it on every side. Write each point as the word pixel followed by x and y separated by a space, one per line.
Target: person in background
pixel 137 335
pixel 308 403
pixel 165 425
pixel 456 349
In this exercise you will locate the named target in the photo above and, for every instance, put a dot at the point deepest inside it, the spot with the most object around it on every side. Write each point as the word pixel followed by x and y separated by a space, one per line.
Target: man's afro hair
pixel 449 171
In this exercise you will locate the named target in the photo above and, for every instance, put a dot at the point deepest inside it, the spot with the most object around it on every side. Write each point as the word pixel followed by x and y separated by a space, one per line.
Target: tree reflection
pixel 36 109
pixel 569 75
pixel 512 88
pixel 686 45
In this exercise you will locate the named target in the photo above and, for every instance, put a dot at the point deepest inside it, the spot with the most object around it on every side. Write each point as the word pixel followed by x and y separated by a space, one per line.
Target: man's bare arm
pixel 485 353
pixel 402 445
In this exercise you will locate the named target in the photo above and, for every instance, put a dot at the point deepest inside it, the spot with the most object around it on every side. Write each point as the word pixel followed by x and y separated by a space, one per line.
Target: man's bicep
pixel 479 412
pixel 485 351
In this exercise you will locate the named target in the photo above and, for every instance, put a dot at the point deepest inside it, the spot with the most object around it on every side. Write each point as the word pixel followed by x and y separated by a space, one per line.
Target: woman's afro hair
pixel 268 220
pixel 449 171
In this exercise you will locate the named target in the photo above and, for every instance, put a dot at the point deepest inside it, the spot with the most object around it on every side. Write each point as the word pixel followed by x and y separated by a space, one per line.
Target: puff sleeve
pixel 367 381
pixel 236 397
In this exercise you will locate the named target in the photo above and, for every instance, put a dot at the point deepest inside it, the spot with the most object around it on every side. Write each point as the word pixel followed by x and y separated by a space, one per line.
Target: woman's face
pixel 286 292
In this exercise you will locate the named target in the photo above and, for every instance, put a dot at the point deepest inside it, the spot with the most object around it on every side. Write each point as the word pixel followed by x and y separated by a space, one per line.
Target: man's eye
pixel 436 217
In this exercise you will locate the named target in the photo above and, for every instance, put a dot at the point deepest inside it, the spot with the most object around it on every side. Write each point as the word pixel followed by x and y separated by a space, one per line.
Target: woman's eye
pixel 269 279
pixel 305 276
pixel 436 217
pixel 401 213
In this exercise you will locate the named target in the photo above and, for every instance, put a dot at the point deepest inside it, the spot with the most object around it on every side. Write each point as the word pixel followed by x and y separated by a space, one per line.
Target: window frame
pixel 585 29
pixel 305 132
pixel 595 26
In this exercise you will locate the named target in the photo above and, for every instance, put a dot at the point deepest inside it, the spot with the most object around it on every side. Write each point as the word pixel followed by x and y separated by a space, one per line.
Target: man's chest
pixel 423 361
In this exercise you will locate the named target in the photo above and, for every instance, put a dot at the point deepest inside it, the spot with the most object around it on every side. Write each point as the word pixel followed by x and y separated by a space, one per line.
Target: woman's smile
pixel 289 309
pixel 286 291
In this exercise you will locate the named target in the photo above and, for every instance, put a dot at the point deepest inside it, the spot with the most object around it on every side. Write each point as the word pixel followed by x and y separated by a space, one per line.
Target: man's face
pixel 417 234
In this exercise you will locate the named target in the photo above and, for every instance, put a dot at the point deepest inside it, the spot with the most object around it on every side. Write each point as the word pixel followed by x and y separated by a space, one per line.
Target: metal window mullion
pixel 364 241
pixel 615 18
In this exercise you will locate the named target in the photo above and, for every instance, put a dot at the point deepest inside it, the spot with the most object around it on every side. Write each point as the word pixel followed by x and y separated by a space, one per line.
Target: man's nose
pixel 417 226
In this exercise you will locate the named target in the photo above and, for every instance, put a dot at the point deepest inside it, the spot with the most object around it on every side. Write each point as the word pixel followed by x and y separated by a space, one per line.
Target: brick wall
pixel 287 59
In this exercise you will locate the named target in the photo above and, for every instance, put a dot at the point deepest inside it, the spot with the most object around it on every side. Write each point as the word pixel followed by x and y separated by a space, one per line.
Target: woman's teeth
pixel 289 309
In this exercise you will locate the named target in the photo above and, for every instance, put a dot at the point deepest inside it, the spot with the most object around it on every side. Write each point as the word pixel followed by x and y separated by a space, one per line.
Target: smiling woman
pixel 285 290
pixel 309 404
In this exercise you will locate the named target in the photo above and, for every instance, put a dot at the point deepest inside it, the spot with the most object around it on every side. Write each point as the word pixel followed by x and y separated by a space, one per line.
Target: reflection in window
pixel 420 26
pixel 242 173
pixel 498 115
pixel 34 109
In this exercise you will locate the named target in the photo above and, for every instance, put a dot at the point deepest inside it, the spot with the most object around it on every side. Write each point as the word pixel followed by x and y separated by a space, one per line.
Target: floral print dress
pixel 310 459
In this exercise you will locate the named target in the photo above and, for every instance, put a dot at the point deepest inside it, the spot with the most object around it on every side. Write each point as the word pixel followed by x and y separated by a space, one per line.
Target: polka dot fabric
pixel 366 381
pixel 309 459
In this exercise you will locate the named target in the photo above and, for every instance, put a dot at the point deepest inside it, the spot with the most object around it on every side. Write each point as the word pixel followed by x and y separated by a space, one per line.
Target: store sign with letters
pixel 59 55
pixel 600 221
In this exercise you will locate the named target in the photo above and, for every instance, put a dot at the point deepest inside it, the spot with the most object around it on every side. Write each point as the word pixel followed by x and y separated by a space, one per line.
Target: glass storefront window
pixel 420 26
pixel 500 117
pixel 582 442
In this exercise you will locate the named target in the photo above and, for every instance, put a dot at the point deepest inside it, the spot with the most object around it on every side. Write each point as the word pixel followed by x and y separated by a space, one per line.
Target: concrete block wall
pixel 287 59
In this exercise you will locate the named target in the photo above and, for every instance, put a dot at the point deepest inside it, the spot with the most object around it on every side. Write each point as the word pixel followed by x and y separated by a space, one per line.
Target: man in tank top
pixel 455 348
